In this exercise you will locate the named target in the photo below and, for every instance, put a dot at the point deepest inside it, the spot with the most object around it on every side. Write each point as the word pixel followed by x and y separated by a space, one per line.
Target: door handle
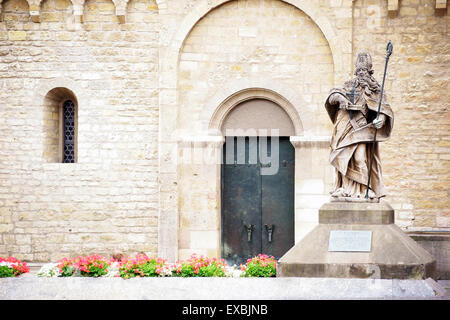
pixel 269 230
pixel 249 229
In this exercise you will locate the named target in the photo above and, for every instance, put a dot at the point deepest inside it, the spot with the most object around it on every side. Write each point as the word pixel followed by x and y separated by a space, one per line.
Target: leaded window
pixel 68 132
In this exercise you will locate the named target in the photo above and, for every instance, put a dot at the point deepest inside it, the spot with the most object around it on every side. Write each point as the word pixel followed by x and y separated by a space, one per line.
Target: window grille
pixel 69 132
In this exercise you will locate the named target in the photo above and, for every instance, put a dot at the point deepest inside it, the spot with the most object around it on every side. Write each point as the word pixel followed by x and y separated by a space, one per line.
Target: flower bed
pixel 143 266
pixel 11 267
pixel 199 266
pixel 91 266
pixel 260 266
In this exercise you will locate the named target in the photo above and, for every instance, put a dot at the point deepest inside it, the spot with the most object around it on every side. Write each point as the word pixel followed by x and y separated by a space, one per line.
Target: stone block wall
pixel 438 245
pixel 416 166
pixel 144 71
pixel 254 39
pixel 236 43
pixel 108 201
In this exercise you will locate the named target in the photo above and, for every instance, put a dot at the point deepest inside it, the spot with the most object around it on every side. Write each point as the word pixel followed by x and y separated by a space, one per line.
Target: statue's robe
pixel 347 137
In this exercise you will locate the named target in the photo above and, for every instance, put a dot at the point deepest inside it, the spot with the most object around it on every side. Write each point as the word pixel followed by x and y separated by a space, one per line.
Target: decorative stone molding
pixel 162 6
pixel 340 43
pixel 317 141
pixel 392 5
pixel 78 7
pixel 201 141
pixel 121 9
pixel 393 8
pixel 441 4
pixel 237 91
pixel 200 150
pixel 35 10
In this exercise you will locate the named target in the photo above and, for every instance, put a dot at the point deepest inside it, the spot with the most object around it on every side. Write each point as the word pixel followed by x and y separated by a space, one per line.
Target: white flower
pixel 233 271
pixel 167 270
pixel 49 270
pixel 7 264
pixel 113 270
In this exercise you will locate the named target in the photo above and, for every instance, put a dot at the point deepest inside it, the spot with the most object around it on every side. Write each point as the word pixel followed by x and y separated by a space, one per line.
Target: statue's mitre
pixel 364 60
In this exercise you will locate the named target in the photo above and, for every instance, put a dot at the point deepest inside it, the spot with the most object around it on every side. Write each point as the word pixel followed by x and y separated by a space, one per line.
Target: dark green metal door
pixel 257 197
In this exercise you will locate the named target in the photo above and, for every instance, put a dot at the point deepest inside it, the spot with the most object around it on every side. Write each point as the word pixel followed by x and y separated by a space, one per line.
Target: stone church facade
pixel 154 84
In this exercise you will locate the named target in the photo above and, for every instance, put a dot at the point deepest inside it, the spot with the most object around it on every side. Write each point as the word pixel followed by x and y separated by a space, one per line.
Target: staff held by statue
pixel 389 49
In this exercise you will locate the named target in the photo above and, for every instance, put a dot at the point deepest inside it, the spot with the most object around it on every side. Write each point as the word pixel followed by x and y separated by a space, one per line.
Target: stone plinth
pixel 392 255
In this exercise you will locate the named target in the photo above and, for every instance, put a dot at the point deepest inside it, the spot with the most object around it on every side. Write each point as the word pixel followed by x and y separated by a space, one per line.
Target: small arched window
pixel 68 147
pixel 60 112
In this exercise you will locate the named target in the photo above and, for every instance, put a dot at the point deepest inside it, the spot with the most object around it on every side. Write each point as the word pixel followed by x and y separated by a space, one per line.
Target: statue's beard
pixel 367 82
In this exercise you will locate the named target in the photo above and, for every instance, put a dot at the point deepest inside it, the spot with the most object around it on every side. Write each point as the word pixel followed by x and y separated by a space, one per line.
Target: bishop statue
pixel 353 110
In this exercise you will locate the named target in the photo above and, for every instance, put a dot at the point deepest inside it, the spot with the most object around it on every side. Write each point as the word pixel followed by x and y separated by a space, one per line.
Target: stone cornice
pixel 394 6
pixel 310 140
pixel 78 8
pixel 121 8
pixel 201 141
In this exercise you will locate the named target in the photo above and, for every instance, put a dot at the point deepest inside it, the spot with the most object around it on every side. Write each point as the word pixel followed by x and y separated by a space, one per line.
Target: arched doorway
pixel 257 181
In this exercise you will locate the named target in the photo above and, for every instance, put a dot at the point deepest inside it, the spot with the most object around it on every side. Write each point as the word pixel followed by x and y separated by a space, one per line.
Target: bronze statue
pixel 357 130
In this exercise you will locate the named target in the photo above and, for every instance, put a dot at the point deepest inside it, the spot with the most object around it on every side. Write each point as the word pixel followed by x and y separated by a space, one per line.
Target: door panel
pixel 252 198
pixel 241 194
pixel 277 198
pixel 242 207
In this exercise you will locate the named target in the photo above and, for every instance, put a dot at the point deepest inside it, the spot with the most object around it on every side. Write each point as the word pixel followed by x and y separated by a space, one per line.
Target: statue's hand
pixel 379 122
pixel 342 101
pixel 343 104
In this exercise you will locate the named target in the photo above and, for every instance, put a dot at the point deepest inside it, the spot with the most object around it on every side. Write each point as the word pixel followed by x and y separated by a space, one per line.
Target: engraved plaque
pixel 350 240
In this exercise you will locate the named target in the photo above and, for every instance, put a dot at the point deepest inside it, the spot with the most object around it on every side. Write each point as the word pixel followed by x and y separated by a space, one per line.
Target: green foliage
pixel 6 272
pixel 11 267
pixel 260 266
pixel 142 266
pixel 67 271
pixel 91 266
pixel 184 270
pixel 200 267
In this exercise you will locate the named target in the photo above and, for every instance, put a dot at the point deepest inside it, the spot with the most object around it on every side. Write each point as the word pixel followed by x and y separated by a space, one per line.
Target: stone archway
pixel 239 91
pixel 257 181
pixel 199 182
pixel 171 244
pixel 340 42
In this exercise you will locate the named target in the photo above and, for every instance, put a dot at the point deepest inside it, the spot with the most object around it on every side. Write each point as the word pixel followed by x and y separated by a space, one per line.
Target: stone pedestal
pixel 389 254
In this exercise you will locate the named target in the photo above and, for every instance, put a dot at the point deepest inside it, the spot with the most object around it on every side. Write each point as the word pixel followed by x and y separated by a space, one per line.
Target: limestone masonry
pixel 152 79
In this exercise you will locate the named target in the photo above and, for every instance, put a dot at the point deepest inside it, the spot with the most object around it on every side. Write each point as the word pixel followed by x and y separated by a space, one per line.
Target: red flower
pixel 18 266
